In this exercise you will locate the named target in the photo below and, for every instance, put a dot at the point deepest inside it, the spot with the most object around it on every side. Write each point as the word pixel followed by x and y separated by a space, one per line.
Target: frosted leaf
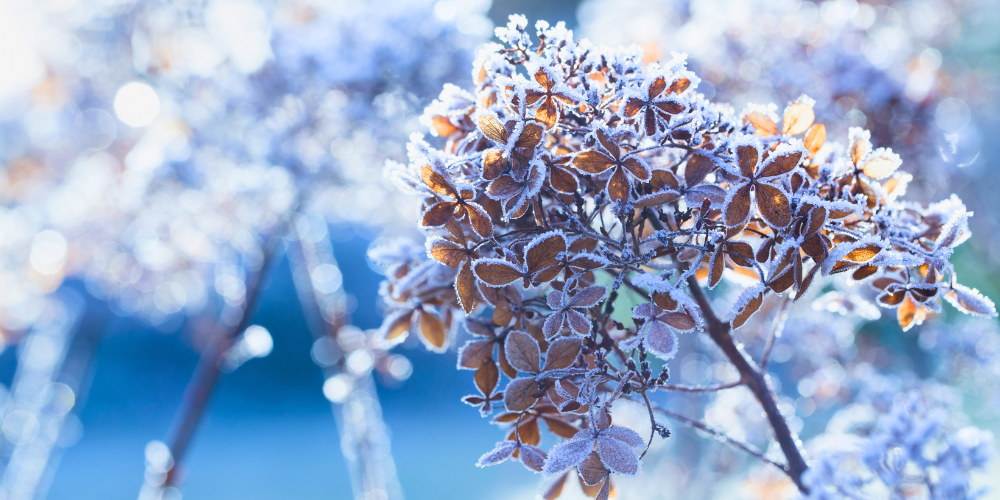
pixel 502 452
pixel 625 434
pixel 747 304
pixel 955 232
pixel 578 322
pixel 553 324
pixel 617 456
pixel 567 455
pixel 630 343
pixel 554 300
pixel 970 301
pixel 588 297
pixel 523 352
pixel 591 470
pixel 660 340
pixel 532 457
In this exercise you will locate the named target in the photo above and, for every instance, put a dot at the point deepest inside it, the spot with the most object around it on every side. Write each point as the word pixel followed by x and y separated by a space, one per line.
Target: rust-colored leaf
pixel 492 128
pixel 523 352
pixel 519 394
pixel 560 428
pixel 619 186
pixel 716 265
pixel 764 125
pixel 863 254
pixel 562 353
pixel 747 304
pixel 879 167
pixel 780 164
pixel 773 205
pixel 496 272
pixel 816 138
pixel 530 136
pixel 697 167
pixel 465 287
pixel 436 181
pixel 542 252
pixel 738 208
pixel 438 214
pixel 592 162
pixel 487 377
pixel 400 326
pixel 474 353
pixel 432 331
pixel 443 126
pixel 679 85
pixel 447 252
pixel 493 164
pixel 746 158
pixel 797 119
pixel 548 113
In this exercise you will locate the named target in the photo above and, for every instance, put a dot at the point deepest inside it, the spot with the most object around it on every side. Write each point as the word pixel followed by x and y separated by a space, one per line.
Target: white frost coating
pixel 569 454
pixel 502 451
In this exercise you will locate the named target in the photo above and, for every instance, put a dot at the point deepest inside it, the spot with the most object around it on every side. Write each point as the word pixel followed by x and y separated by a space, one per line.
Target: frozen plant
pixel 584 214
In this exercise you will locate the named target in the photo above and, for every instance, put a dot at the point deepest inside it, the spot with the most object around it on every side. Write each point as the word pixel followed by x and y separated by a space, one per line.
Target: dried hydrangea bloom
pixel 597 254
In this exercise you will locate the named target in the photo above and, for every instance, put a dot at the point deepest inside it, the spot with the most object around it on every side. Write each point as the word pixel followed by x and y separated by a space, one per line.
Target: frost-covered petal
pixel 502 452
pixel 567 455
pixel 626 435
pixel 617 456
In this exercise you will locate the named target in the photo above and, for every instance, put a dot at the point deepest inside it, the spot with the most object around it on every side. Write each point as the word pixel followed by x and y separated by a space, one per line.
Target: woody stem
pixel 754 380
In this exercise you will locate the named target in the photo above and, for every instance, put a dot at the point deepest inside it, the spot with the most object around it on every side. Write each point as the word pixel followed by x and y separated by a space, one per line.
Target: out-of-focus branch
pixel 352 392
pixel 207 373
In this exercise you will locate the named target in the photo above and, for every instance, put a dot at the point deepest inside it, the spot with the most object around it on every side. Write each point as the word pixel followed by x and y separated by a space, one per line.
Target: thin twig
pixel 779 324
pixel 652 424
pixel 756 382
pixel 207 373
pixel 707 388
pixel 746 447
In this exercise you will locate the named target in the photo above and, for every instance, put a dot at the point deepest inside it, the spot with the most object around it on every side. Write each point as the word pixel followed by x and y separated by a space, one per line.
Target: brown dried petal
pixel 750 301
pixel 518 396
pixel 474 353
pixel 495 272
pixel 764 125
pixel 698 166
pixel 492 128
pixel 797 119
pixel 523 352
pixel 530 136
pixel 438 214
pixel 493 164
pixel 562 353
pixel 619 186
pixel 432 330
pixel 448 252
pixel 465 287
pixel 815 138
pixel 487 377
pixel 738 208
pixel 592 162
pixel 780 164
pixel 746 158
pixel 773 205
pixel 609 143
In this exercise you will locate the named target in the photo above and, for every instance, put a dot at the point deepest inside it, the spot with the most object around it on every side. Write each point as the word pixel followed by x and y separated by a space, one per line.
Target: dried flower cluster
pixel 573 178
